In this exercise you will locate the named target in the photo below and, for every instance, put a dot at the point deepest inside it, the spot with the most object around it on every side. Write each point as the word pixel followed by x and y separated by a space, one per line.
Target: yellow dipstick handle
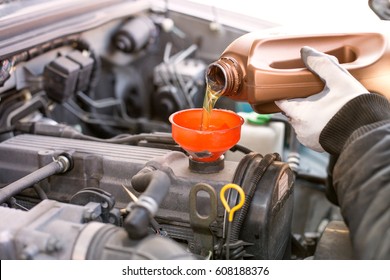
pixel 226 205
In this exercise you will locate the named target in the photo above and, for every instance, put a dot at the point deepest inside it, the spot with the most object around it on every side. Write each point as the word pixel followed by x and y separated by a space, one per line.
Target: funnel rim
pixel 242 121
pixel 206 145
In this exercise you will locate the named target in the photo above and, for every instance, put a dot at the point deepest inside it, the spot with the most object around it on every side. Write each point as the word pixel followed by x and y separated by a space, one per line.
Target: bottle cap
pixel 258 119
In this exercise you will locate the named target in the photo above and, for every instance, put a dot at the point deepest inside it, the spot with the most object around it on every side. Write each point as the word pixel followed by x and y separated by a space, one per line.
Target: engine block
pixel 106 170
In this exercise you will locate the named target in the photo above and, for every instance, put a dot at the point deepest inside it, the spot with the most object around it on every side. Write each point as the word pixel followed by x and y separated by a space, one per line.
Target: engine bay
pixel 88 165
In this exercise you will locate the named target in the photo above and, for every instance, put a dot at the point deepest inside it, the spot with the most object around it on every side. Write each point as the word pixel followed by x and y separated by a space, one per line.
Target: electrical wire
pixel 174 78
pixel 7 129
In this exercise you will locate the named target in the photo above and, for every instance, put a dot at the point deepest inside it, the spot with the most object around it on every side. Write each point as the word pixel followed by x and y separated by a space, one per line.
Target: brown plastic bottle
pixel 260 69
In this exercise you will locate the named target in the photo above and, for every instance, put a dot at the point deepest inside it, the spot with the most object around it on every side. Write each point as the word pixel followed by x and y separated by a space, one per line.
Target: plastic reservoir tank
pixel 259 134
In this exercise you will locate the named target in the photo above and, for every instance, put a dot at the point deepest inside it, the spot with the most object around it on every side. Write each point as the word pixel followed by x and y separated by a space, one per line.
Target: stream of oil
pixel 209 101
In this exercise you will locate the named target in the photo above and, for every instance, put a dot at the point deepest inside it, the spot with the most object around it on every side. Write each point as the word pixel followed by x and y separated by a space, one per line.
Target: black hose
pixel 132 139
pixel 141 180
pixel 241 149
pixel 158 184
pixel 65 131
pixel 7 129
pixel 40 192
pixel 142 212
pixel 239 218
pixel 60 165
pixel 321 181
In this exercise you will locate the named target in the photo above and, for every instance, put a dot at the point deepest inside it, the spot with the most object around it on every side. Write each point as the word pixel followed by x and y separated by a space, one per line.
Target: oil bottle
pixel 260 69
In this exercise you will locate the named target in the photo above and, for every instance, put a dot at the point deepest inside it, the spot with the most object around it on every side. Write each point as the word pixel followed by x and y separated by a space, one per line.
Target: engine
pixel 88 165
pixel 107 183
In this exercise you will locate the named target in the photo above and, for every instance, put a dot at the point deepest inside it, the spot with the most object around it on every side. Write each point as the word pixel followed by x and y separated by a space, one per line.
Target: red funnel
pixel 206 145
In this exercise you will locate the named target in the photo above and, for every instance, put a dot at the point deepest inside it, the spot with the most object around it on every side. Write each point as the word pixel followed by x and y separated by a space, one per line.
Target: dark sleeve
pixel 360 135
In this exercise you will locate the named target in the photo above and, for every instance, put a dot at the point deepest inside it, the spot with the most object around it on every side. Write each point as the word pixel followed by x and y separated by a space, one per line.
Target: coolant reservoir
pixel 259 68
pixel 259 134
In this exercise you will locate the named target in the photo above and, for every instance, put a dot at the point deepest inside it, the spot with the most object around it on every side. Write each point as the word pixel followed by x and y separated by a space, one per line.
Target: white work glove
pixel 308 116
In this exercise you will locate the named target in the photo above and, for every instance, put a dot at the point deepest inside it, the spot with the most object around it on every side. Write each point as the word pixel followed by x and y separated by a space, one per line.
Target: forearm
pixel 360 135
pixel 349 123
pixel 361 179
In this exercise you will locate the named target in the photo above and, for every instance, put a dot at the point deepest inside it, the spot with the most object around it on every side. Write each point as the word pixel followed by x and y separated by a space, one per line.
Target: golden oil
pixel 209 101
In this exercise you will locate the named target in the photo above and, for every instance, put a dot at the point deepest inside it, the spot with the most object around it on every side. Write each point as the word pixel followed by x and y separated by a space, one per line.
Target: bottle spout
pixel 216 77
pixel 224 76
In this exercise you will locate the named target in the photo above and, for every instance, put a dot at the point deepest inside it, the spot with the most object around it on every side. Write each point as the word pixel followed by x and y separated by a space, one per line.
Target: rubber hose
pixel 40 192
pixel 16 187
pixel 140 181
pixel 152 183
pixel 157 185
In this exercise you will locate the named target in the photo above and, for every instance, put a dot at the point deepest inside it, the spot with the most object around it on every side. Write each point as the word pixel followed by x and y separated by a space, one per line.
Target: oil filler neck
pixel 206 167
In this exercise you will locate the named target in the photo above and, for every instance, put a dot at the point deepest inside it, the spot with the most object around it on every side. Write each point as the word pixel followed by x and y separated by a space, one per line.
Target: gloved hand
pixel 308 116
